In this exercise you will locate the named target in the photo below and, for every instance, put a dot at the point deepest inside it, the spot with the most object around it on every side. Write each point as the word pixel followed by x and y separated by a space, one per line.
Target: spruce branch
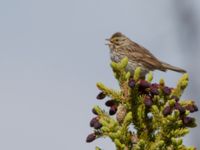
pixel 143 115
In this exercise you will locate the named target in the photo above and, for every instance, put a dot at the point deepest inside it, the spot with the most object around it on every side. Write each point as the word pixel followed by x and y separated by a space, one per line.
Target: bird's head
pixel 117 39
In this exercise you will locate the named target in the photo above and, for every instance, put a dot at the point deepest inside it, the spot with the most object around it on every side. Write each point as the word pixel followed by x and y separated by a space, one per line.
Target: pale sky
pixel 52 53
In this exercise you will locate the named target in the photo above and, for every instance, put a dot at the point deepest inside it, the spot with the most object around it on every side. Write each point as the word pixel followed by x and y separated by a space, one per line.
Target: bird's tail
pixel 170 67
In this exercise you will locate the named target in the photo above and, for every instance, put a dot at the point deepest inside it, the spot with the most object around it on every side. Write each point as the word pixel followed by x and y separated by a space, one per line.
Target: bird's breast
pixel 115 56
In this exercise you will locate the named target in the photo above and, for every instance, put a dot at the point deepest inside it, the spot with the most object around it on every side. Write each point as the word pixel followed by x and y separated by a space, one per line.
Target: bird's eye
pixel 116 40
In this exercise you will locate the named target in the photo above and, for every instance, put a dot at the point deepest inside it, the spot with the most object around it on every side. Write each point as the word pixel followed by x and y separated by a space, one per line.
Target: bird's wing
pixel 142 55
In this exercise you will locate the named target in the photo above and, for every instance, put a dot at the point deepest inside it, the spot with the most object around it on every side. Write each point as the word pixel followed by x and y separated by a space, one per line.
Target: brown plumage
pixel 121 46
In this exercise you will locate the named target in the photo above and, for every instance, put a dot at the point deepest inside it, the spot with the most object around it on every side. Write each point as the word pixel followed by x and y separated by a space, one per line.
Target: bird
pixel 121 46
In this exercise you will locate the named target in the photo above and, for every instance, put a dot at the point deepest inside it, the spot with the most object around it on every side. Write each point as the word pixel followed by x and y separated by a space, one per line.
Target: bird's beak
pixel 108 42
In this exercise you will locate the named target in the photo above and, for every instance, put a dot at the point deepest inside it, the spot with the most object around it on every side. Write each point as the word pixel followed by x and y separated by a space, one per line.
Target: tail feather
pixel 173 68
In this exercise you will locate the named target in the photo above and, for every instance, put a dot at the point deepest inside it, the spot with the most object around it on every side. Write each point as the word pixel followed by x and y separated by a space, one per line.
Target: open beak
pixel 109 42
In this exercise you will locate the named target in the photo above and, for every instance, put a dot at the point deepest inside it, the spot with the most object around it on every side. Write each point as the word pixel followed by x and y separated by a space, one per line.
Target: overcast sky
pixel 52 53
